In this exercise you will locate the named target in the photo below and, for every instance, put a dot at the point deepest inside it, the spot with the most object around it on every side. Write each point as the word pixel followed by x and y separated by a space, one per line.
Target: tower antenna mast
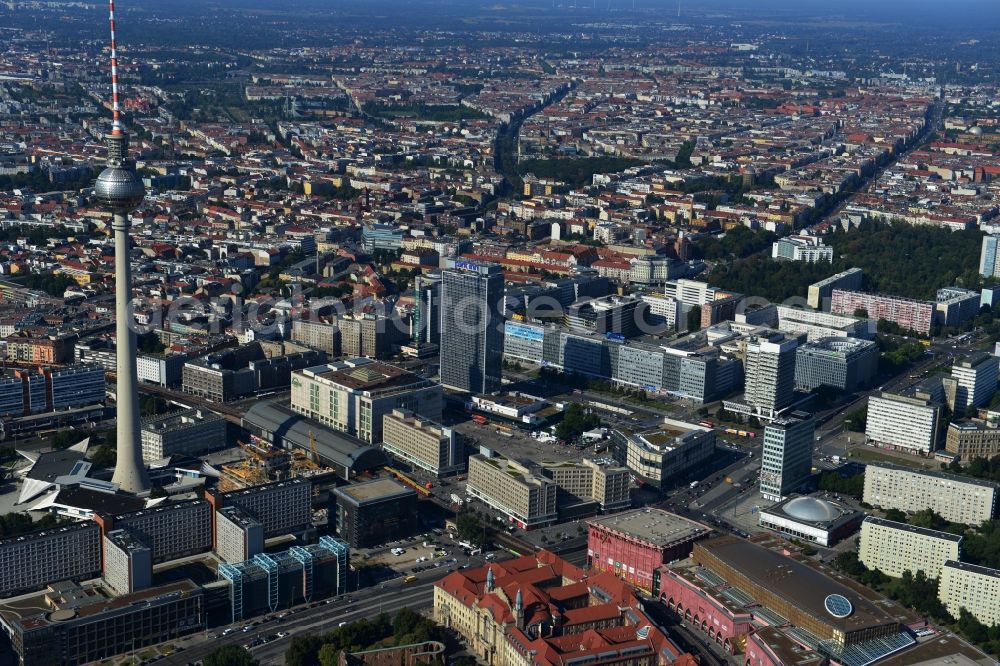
pixel 116 112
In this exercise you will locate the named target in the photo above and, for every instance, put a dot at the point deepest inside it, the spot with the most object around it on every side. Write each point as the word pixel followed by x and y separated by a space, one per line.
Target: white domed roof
pixel 976 130
pixel 811 509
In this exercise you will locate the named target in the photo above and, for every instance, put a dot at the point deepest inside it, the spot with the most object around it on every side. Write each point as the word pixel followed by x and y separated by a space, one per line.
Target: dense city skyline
pixel 521 333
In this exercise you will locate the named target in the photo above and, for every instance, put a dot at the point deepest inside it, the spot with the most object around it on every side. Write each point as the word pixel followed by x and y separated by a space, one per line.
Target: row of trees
pixel 738 243
pixel 406 628
pixel 854 486
pixel 577 171
pixel 979 467
pixel 16 523
pixel 39 181
pixel 915 591
pixel 54 285
pixel 897 356
pixel 980 544
pixel 472 528
pixel 434 112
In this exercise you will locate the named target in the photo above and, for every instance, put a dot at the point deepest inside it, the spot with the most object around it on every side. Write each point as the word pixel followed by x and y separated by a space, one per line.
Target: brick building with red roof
pixel 539 610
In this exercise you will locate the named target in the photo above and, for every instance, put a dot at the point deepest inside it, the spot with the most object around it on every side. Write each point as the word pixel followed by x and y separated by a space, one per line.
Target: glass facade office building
pixel 472 327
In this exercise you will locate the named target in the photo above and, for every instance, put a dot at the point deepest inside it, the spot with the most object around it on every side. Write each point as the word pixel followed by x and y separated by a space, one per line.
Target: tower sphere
pixel 120 190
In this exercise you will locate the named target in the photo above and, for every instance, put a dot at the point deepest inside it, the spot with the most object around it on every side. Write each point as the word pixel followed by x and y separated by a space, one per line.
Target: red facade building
pixel 722 620
pixel 634 545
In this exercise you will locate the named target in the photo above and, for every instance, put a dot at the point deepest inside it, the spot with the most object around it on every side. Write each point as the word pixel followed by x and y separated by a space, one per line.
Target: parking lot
pixel 516 444
pixel 413 553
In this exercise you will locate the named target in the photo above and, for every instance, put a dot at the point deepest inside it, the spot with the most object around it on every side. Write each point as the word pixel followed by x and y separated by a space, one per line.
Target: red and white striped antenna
pixel 116 125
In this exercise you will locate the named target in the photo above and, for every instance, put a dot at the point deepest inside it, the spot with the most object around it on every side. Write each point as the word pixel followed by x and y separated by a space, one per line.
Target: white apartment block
pixel 693 292
pixel 801 248
pixel 817 325
pixel 238 535
pixel 128 562
pixel 956 498
pixel 901 422
pixel 893 548
pixel 974 588
pixel 663 310
pixel 975 381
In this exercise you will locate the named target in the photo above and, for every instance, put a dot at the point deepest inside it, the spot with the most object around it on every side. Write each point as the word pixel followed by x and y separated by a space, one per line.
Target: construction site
pixel 264 463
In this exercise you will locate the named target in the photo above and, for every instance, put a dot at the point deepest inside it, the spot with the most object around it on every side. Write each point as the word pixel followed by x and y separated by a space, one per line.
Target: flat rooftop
pixel 372 376
pixel 946 650
pixel 655 526
pixel 26 611
pixel 787 650
pixel 957 478
pixel 375 491
pixel 799 584
pixel 922 531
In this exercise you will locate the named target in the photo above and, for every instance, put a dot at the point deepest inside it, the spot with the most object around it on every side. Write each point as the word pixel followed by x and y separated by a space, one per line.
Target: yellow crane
pixel 312 447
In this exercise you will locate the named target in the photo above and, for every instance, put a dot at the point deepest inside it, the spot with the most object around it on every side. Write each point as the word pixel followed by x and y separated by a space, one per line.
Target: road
pixel 389 598
pixel 932 124
pixel 506 141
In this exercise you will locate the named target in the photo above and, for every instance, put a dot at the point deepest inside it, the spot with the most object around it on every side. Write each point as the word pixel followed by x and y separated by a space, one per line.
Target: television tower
pixel 120 190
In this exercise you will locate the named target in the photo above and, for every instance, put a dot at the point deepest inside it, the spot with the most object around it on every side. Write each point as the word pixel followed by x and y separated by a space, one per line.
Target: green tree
pixel 328 655
pixel 857 420
pixel 853 486
pixel 229 655
pixel 65 439
pixel 471 528
pixel 896 515
pixel 576 420
pixel 104 457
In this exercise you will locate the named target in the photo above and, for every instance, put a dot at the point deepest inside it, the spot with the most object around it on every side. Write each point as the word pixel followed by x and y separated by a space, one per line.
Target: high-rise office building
pixel 472 327
pixel 840 363
pixel 903 422
pixel 427 315
pixel 989 258
pixel 770 374
pixel 787 458
pixel 972 383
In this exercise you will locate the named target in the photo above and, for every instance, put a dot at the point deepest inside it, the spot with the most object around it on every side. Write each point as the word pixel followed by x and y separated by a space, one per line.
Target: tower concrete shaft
pixel 130 473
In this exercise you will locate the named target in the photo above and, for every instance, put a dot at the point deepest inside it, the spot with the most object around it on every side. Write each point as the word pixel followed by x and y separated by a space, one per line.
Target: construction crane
pixel 312 447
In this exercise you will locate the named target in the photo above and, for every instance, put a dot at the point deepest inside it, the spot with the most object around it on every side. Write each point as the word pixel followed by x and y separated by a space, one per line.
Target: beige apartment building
pixel 353 395
pixel 526 499
pixel 422 442
pixel 601 481
pixel 974 588
pixel 893 548
pixel 957 498
pixel 972 439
